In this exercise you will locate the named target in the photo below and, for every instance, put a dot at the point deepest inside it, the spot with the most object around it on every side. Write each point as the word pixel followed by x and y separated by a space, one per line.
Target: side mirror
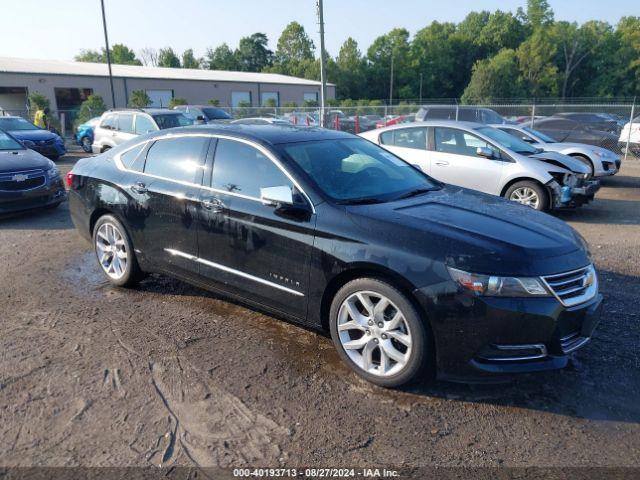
pixel 527 139
pixel 417 167
pixel 276 196
pixel 485 152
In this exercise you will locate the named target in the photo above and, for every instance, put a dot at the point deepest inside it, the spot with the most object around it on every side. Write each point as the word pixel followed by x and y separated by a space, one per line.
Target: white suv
pixel 118 126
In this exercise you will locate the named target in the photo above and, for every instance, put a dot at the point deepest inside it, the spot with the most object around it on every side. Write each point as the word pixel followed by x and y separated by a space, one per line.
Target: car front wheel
pixel 86 144
pixel 528 193
pixel 378 332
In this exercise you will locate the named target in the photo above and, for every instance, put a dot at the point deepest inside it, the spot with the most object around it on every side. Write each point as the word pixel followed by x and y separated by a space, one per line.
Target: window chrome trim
pixel 258 147
pixel 233 271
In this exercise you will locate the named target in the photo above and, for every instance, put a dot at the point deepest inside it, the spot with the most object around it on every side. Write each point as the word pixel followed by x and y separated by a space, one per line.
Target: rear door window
pixel 125 122
pixel 179 159
pixel 131 158
pixel 415 138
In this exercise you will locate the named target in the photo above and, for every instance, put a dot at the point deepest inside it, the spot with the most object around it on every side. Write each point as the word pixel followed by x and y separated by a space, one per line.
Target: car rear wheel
pixel 114 252
pixel 378 332
pixel 528 193
pixel 86 144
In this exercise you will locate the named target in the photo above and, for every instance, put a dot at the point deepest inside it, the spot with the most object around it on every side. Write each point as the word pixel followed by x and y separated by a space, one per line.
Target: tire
pixel 521 191
pixel 109 232
pixel 105 148
pixel 86 144
pixel 375 359
pixel 586 161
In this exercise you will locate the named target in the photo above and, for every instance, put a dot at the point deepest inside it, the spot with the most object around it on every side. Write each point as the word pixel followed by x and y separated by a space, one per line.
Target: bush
pixel 270 102
pixel 214 101
pixel 310 103
pixel 177 101
pixel 244 104
pixel 93 106
pixel 139 99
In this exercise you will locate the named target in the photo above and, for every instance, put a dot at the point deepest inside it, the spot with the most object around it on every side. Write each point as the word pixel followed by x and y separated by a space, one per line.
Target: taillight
pixel 69 179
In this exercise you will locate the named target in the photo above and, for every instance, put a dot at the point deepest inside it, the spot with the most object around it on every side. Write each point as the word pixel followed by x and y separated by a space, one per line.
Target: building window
pixel 160 98
pixel 13 99
pixel 310 97
pixel 270 99
pixel 71 98
pixel 240 99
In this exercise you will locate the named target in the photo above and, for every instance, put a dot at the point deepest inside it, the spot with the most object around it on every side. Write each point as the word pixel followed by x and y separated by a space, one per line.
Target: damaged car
pixel 483 158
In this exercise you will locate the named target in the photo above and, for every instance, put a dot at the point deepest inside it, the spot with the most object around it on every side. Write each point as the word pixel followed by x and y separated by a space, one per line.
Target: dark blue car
pixel 42 141
pixel 84 133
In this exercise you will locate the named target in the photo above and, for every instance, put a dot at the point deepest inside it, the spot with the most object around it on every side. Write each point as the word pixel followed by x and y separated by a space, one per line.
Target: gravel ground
pixel 168 374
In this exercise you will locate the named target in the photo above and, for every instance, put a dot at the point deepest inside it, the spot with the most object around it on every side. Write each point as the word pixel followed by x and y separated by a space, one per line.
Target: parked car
pixel 329 230
pixel 459 113
pixel 601 162
pixel 597 121
pixel 261 121
pixel 43 141
pixel 368 122
pixel 633 136
pixel 204 113
pixel 28 180
pixel 483 158
pixel 118 126
pixel 84 133
pixel 563 129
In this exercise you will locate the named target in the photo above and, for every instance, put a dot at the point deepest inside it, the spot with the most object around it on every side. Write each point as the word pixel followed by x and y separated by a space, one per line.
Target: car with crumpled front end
pixel 483 158
pixel 28 180
pixel 46 143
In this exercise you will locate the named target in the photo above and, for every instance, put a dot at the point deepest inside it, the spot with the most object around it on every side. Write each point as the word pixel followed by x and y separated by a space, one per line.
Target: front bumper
pixel 484 338
pixel 572 197
pixel 49 194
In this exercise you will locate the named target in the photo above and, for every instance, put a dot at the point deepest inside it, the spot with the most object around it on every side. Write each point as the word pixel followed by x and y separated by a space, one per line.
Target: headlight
pixel 53 172
pixel 494 286
pixel 28 143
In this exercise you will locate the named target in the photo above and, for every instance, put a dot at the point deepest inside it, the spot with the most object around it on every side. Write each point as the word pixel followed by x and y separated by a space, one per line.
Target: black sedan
pixel 566 130
pixel 27 179
pixel 331 231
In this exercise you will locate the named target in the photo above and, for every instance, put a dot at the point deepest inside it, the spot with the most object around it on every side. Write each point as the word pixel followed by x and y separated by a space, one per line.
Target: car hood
pixel 563 146
pixel 475 232
pixel 563 161
pixel 33 135
pixel 17 160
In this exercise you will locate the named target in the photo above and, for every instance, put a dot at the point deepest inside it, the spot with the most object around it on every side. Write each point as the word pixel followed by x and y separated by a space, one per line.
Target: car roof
pixel 150 111
pixel 434 123
pixel 265 134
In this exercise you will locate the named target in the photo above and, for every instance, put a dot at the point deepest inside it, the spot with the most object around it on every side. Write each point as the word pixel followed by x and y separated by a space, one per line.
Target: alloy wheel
pixel 374 333
pixel 111 250
pixel 526 196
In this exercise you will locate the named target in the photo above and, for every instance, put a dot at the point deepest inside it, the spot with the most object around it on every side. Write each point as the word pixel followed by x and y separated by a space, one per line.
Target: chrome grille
pixel 22 180
pixel 575 287
pixel 572 342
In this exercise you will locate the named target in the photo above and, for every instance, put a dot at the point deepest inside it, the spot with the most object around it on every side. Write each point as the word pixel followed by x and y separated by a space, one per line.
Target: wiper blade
pixel 416 192
pixel 361 201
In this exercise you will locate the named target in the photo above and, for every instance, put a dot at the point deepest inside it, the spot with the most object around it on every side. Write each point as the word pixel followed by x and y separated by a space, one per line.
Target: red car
pixel 395 121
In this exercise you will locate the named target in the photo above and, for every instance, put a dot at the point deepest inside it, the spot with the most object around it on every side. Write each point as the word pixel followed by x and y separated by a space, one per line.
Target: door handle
pixel 442 164
pixel 213 204
pixel 139 187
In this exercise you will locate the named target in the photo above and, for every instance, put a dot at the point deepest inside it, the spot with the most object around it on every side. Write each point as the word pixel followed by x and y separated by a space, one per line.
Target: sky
pixel 59 29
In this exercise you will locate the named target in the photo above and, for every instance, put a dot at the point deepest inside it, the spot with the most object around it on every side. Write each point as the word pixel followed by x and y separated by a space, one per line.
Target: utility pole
pixel 106 42
pixel 420 88
pixel 391 82
pixel 323 78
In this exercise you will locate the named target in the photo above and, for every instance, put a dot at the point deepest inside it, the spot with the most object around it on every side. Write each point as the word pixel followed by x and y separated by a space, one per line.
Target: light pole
pixel 420 88
pixel 391 82
pixel 323 78
pixel 106 42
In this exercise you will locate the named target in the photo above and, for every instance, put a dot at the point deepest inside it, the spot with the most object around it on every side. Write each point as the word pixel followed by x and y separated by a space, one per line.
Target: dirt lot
pixel 168 374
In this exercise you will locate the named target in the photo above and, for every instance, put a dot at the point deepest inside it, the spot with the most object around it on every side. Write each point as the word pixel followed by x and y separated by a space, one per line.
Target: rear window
pixel 172 120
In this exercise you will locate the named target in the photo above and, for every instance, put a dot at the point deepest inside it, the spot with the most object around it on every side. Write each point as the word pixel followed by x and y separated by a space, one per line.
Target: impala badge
pixel 19 177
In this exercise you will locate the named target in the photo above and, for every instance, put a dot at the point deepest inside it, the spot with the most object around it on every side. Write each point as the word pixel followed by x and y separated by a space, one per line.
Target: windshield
pixel 540 135
pixel 8 143
pixel 216 114
pixel 11 124
pixel 508 141
pixel 171 120
pixel 492 117
pixel 357 171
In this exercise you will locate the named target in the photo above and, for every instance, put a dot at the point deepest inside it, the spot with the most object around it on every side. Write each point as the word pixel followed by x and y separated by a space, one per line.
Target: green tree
pixel 538 71
pixel 252 54
pixel 628 32
pixel 350 70
pixel 168 58
pixel 494 78
pixel 270 102
pixel 189 60
pixel 38 101
pixel 539 13
pixel 120 54
pixel 295 52
pixel 139 99
pixel 93 106
pixel 393 44
pixel 222 58
pixel 175 101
